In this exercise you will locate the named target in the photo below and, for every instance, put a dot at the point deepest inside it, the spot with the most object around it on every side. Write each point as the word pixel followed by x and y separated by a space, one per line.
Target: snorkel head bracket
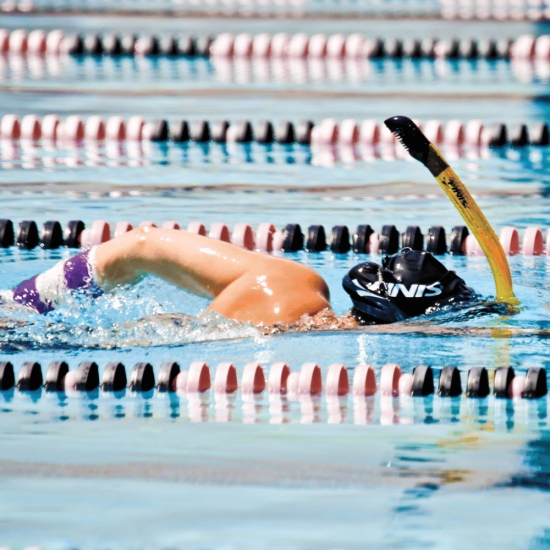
pixel 407 284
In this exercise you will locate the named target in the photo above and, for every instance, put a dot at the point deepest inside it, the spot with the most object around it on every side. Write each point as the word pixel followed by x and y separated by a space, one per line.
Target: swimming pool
pixel 165 470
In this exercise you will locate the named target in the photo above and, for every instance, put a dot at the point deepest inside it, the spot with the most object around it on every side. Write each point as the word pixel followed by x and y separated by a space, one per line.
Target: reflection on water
pixel 60 155
pixel 65 155
pixel 535 470
pixel 464 74
pixel 246 8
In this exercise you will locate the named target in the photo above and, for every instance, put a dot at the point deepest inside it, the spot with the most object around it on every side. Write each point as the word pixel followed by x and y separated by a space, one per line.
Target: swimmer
pixel 269 291
pixel 250 287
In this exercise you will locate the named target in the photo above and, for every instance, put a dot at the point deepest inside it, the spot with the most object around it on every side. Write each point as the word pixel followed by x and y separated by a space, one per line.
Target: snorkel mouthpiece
pixel 427 153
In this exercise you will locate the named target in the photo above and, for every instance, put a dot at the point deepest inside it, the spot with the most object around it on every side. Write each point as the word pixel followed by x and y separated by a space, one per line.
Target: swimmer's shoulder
pixel 299 276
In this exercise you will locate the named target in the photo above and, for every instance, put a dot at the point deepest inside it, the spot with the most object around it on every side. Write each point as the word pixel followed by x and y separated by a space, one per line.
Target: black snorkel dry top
pixel 407 284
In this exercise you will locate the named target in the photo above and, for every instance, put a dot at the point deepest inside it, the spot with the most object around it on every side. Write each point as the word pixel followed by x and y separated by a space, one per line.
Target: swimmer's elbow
pixel 319 285
pixel 319 295
pixel 324 290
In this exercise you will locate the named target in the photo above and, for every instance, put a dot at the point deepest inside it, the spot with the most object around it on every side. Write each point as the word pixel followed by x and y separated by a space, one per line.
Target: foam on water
pixel 146 314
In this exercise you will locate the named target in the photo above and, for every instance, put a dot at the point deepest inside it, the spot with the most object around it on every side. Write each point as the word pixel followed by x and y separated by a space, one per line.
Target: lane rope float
pixel 427 153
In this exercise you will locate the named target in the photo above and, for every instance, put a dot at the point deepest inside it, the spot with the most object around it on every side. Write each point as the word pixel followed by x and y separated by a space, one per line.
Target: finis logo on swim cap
pixel 394 289
pixel 414 291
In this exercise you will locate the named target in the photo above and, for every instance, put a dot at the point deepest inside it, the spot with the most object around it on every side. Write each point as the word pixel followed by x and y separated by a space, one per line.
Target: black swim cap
pixel 408 284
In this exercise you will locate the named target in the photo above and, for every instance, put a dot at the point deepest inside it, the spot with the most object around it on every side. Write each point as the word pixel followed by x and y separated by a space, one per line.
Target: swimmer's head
pixel 407 284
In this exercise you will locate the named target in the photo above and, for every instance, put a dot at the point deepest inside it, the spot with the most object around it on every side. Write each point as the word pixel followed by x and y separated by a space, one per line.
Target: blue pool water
pixel 210 484
pixel 168 471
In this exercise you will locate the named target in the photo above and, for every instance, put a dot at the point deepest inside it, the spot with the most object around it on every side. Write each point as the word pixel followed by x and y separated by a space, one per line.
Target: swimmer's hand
pixel 326 319
pixel 175 319
pixel 8 323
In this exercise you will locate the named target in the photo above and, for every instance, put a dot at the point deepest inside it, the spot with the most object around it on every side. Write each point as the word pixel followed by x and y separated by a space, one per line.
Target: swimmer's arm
pixel 200 265
pixel 276 293
pixel 245 285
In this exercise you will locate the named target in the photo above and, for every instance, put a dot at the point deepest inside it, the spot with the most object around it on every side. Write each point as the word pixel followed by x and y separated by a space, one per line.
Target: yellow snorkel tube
pixel 427 153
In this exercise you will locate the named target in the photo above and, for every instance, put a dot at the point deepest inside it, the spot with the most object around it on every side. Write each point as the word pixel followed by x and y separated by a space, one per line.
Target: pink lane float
pixel 302 385
pixel 454 134
pixel 279 45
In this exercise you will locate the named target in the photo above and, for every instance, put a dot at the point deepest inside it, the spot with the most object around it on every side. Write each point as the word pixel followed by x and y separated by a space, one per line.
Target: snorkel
pixel 427 153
